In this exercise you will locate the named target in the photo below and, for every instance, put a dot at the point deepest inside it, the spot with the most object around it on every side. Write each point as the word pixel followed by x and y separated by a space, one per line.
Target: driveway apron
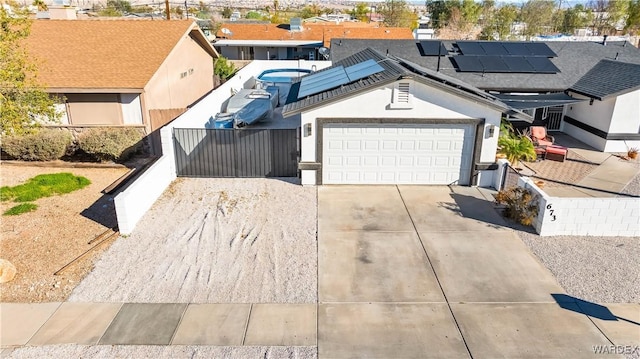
pixel 422 271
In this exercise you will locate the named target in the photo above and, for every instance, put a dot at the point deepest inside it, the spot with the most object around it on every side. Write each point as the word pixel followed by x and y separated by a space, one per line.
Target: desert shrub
pixel 42 145
pixel 110 144
pixel 521 205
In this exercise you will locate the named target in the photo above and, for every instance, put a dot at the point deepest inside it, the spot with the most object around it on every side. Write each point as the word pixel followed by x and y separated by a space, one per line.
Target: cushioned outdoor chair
pixel 540 137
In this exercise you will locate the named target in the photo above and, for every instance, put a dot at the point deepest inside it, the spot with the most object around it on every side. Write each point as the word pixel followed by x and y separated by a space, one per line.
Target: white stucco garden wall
pixel 586 216
pixel 428 103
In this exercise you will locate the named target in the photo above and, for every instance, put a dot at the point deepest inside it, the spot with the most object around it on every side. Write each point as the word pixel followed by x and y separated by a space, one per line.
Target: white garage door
pixel 395 154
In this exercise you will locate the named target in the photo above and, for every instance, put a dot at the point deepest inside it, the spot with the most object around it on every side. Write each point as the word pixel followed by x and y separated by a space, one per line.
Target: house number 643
pixel 551 210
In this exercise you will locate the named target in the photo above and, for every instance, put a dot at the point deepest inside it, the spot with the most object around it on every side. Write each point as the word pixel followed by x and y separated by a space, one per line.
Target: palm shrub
pixel 517 148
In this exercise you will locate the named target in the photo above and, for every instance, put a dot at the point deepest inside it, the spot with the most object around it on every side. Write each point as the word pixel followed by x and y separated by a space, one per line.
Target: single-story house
pixel 590 90
pixel 375 119
pixel 114 72
pixel 238 41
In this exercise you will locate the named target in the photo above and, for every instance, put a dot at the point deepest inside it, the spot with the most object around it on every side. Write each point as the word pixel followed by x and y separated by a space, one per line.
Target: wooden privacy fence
pixel 236 152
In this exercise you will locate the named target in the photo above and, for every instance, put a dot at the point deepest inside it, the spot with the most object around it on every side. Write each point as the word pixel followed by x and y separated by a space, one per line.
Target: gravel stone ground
pixel 215 240
pixel 157 351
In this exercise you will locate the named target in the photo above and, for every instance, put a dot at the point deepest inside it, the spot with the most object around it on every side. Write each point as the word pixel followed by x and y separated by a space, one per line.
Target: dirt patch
pixel 215 240
pixel 41 242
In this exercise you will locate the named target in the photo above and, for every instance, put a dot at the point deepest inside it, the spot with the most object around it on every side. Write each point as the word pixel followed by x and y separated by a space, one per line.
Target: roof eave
pixel 87 90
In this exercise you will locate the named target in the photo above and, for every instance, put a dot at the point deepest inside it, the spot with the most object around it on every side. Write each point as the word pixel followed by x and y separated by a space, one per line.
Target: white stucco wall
pixel 428 103
pixel 613 115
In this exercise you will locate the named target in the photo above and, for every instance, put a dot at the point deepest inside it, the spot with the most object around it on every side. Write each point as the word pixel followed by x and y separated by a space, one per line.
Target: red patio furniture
pixel 555 153
pixel 540 137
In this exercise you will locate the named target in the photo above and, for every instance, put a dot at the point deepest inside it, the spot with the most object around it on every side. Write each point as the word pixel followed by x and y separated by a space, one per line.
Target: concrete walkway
pixel 404 272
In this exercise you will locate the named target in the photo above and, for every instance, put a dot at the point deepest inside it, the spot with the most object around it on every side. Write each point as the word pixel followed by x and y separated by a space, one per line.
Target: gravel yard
pixel 215 241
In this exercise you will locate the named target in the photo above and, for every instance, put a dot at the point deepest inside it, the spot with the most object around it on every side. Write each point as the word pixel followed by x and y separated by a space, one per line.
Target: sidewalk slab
pixel 213 324
pixel 368 266
pixel 488 267
pixel 527 330
pixel 623 330
pixel 77 323
pixel 20 321
pixel 282 324
pixel 351 208
pixel 386 330
pixel 144 323
pixel 435 208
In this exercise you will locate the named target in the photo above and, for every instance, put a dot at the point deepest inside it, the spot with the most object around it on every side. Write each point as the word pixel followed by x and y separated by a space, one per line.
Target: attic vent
pixel 402 98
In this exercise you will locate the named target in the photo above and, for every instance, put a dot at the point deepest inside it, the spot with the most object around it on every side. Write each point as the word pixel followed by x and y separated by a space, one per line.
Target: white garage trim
pixel 397 153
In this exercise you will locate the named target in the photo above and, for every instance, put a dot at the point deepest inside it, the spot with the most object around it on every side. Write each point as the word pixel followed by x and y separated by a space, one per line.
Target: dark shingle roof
pixel 574 60
pixel 609 78
pixel 391 73
pixel 394 69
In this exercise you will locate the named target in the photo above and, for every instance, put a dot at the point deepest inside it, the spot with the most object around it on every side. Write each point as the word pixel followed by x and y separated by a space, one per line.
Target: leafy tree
pixel 538 16
pixel 223 68
pixel 607 14
pixel 40 4
pixel 397 14
pixel 253 15
pixel 632 24
pixel 360 12
pixel 440 11
pixel 470 12
pixel 22 99
pixel 310 11
pixel 576 17
pixel 226 12
pixel 498 26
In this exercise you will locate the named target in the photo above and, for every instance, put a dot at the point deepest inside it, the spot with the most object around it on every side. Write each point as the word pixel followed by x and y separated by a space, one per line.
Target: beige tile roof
pixel 103 54
pixel 313 32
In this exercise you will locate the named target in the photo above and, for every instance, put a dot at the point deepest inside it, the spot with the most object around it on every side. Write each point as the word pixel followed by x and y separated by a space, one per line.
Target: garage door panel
pixel 392 153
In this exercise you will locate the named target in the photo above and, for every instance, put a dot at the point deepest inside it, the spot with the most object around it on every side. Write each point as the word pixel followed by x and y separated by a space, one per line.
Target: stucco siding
pixel 185 76
pixel 626 114
pixel 94 109
pixel 597 115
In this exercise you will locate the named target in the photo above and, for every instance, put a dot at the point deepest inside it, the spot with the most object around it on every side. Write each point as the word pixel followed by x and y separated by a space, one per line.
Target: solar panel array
pixel 432 48
pixel 505 64
pixel 534 49
pixel 505 57
pixel 337 76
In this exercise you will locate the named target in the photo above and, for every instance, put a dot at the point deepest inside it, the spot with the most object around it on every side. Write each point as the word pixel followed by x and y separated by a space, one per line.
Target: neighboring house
pixel 589 90
pixel 290 42
pixel 114 72
pixel 374 119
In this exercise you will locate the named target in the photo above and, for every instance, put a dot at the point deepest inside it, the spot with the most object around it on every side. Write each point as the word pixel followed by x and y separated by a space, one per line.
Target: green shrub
pixel 20 209
pixel 42 145
pixel 110 144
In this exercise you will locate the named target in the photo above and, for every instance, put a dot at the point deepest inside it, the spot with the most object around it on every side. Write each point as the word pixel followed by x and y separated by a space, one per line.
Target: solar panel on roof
pixel 431 48
pixel 468 63
pixel 471 48
pixel 362 70
pixel 516 48
pixel 321 81
pixel 540 49
pixel 542 65
pixel 517 64
pixel 493 48
pixel 493 64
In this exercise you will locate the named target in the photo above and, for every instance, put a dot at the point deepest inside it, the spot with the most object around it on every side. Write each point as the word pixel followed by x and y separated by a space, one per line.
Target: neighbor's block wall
pixel 586 216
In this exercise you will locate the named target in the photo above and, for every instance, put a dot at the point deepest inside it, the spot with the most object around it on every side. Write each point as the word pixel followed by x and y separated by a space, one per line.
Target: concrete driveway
pixel 420 271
